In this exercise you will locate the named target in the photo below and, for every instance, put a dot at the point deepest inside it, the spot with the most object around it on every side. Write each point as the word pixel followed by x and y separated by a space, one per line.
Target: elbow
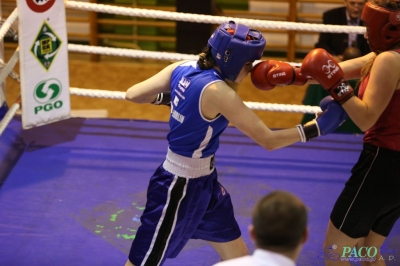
pixel 138 97
pixel 270 147
pixel 127 97
pixel 365 128
pixel 270 140
pixel 366 125
pixel 130 96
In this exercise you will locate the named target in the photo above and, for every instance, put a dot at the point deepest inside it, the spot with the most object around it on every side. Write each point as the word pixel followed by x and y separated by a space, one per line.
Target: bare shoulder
pixel 388 63
pixel 166 72
pixel 385 74
pixel 220 98
pixel 219 91
pixel 388 57
pixel 172 66
pixel 146 91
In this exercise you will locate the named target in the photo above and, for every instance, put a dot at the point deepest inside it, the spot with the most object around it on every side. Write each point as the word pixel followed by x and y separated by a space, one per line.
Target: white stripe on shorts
pixel 344 219
pixel 162 219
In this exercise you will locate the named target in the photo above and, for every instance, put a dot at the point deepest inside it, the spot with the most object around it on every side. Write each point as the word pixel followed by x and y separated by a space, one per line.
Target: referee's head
pixel 279 222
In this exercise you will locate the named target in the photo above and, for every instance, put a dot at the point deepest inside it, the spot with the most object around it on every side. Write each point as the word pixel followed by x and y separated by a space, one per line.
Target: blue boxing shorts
pixel 182 203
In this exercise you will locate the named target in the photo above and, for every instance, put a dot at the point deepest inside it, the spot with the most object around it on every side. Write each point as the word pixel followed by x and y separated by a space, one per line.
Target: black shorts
pixel 370 199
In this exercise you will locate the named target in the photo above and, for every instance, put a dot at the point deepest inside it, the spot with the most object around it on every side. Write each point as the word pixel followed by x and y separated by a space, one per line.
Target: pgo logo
pixel 40 6
pixel 47 91
pixel 328 68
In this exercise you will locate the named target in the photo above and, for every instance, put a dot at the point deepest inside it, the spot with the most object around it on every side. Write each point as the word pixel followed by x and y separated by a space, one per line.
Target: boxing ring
pixel 72 191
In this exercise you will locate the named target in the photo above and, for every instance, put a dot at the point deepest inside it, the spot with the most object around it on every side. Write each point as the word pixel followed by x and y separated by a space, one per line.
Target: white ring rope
pixel 120 95
pixel 7 24
pixel 209 19
pixel 8 116
pixel 125 52
pixel 130 52
pixel 8 68
pixel 117 95
pixel 275 107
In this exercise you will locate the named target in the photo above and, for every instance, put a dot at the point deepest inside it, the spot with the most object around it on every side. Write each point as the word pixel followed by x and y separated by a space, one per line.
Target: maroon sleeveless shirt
pixel 385 132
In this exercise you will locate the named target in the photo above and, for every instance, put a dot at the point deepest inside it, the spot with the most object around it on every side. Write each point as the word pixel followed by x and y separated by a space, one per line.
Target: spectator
pixel 279 230
pixel 336 43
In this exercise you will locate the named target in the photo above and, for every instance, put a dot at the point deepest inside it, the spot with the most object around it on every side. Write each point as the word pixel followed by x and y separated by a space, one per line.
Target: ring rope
pixel 7 24
pixel 210 19
pixel 125 52
pixel 8 116
pixel 8 68
pixel 119 95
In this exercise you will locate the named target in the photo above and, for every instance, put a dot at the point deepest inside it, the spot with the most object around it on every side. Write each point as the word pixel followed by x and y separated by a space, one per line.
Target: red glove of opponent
pixel 320 65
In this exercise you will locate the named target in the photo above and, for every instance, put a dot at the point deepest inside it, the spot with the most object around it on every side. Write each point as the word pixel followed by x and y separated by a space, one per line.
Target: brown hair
pixel 365 71
pixel 391 4
pixel 206 60
pixel 280 221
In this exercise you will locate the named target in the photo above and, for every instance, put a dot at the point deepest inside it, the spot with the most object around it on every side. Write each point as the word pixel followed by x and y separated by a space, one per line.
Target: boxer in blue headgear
pixel 232 45
pixel 184 199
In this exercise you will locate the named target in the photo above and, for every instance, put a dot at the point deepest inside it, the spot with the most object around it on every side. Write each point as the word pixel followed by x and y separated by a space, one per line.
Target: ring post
pixel 3 103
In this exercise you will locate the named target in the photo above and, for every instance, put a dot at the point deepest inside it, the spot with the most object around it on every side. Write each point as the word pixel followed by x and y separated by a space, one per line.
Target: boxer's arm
pixel 147 90
pixel 384 81
pixel 352 68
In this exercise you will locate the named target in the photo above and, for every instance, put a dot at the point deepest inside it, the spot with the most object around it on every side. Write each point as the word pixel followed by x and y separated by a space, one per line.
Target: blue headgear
pixel 232 49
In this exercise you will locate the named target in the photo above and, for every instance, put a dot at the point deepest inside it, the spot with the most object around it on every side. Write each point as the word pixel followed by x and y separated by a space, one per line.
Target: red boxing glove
pixel 320 65
pixel 299 79
pixel 269 74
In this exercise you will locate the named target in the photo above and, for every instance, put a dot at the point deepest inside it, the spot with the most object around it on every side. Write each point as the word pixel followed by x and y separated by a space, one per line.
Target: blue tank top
pixel 191 134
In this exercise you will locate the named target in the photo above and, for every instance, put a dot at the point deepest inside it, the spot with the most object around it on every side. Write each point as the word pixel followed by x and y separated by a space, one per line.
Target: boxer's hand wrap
pixel 308 131
pixel 163 98
pixel 342 92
